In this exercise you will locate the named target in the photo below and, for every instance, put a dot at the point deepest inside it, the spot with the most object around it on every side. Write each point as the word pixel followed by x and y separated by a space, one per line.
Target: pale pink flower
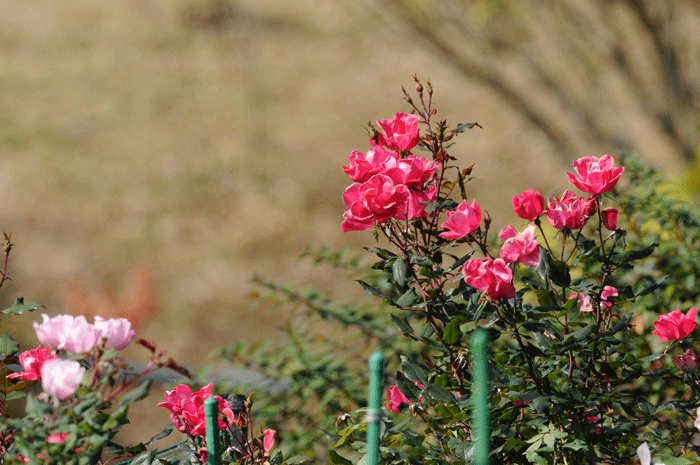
pixel 60 378
pixel 49 332
pixel 32 361
pixel 529 205
pixel 492 276
pixel 73 334
pixel 464 220
pixel 595 176
pixel 674 325
pixel 116 331
pixel 520 247
pixel 400 133
pixel 696 423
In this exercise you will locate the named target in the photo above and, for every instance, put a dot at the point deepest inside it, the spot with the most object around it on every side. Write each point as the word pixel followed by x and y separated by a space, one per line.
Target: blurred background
pixel 158 153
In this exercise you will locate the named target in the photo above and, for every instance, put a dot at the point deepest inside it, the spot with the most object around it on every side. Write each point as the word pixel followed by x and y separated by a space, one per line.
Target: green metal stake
pixel 480 408
pixel 374 409
pixel 211 412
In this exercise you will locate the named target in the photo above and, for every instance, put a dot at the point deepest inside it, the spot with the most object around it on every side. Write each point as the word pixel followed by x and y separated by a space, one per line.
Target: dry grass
pixel 203 140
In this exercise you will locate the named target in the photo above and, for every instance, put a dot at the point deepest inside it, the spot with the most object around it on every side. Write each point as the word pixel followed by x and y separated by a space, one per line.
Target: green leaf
pixel 414 372
pixel 372 290
pixel 400 271
pixel 638 254
pixel 8 346
pixel 440 394
pixel 298 459
pixel 137 394
pixel 407 388
pixel 402 324
pixel 20 307
pixel 452 333
pixel 558 272
pixel 163 434
pixel 407 299
pixel 651 358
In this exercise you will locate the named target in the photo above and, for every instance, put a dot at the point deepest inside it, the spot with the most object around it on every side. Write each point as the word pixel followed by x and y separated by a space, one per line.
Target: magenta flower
pixel 32 361
pixel 411 171
pixel 363 167
pixel 396 397
pixel 377 200
pixel 595 176
pixel 608 291
pixel 116 331
pixel 520 247
pixel 416 209
pixel 609 216
pixel 61 378
pixel 187 409
pixel 464 220
pixel 492 276
pixel 674 325
pixel 269 436
pixel 400 133
pixel 571 212
pixel 529 205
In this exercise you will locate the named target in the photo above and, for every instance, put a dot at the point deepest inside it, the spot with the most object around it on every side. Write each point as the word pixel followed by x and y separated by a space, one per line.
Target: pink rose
pixel 400 133
pixel 363 167
pixel 464 220
pixel 520 247
pixel 492 276
pixel 57 438
pixel 571 212
pixel 412 171
pixel 116 331
pixel 674 325
pixel 595 176
pixel 416 209
pixel 60 378
pixel 585 303
pixel 32 361
pixel 50 330
pixel 609 218
pixel 187 409
pixel 396 397
pixel 379 199
pixel 608 291
pixel 529 205
pixel 269 436
pixel 73 334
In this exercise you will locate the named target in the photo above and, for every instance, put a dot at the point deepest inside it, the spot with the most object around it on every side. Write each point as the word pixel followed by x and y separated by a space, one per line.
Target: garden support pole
pixel 480 409
pixel 374 408
pixel 211 412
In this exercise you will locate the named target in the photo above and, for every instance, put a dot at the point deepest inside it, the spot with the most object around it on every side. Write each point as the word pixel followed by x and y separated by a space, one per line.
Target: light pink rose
pixel 60 378
pixel 674 325
pixel 529 205
pixel 595 176
pixel 571 212
pixel 73 334
pixel 187 409
pixel 584 302
pixel 117 331
pixel 520 247
pixel 492 276
pixel 400 133
pixel 31 361
pixel 609 218
pixel 464 220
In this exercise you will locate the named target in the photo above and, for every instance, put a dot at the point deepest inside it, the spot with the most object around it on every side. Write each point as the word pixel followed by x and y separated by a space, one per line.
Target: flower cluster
pixel 389 182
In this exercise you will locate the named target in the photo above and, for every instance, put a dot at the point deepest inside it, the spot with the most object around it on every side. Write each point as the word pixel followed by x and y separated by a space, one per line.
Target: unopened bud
pixel 419 87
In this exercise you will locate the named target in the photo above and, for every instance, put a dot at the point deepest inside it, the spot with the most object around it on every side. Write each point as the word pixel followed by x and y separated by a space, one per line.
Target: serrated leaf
pixel 137 394
pixel 8 346
pixel 407 299
pixel 413 371
pixel 371 290
pixel 20 307
pixel 558 273
pixel 439 394
pixel 402 324
pixel 400 271
pixel 452 334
